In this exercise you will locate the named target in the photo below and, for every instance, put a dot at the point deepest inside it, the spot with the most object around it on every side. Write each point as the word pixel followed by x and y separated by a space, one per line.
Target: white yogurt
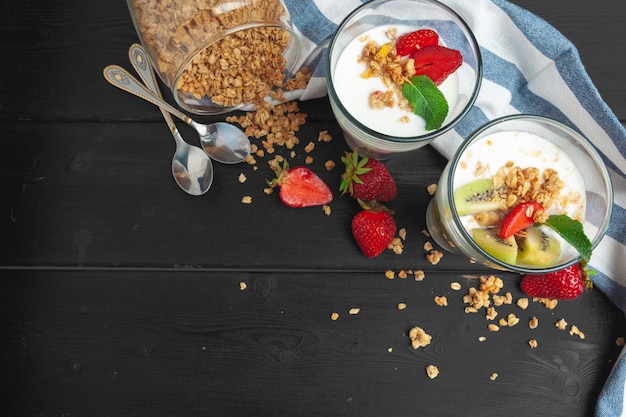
pixel 354 91
pixel 525 150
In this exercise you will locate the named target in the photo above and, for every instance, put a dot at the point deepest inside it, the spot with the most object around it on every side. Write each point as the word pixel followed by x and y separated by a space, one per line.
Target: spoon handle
pixel 121 79
pixel 139 60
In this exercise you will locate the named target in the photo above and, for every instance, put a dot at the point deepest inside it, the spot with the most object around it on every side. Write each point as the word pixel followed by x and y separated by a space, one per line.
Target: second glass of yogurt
pixel 381 133
pixel 520 158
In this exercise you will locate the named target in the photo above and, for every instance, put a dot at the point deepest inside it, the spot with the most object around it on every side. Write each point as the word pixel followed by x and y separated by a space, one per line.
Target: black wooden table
pixel 121 295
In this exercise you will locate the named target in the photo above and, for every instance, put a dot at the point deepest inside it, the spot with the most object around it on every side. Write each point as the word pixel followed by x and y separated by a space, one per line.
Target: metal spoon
pixel 221 141
pixel 191 167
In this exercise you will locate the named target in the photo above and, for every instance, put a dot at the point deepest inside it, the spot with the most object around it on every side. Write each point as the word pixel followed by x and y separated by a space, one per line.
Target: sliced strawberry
pixel 409 42
pixel 301 187
pixel 521 217
pixel 436 62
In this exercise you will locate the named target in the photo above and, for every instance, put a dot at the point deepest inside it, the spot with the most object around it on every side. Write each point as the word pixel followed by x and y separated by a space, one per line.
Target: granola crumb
pixel 390 274
pixel 425 232
pixel 324 136
pixel 243 285
pixel 402 233
pixel 419 275
pixel 432 371
pixel 354 311
pixel 419 338
pixel 389 349
pixel 334 316
pixel 246 199
pixel 309 147
pixel 431 189
pixel 533 323
pixel 396 246
pixel 482 338
pixel 308 160
pixel 493 376
pixel 574 330
pixel 326 209
pixel 455 286
pixel 493 327
pixel 522 303
pixel 329 165
pixel 441 301
pixel 561 324
pixel 512 320
pixel 434 256
pixel 532 343
pixel 491 313
pixel 620 341
pixel 402 274
pixel 428 246
pixel 401 306
pixel 549 303
pixel 242 178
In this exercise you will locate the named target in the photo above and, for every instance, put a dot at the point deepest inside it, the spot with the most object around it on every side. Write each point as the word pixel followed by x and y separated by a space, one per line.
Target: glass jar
pixel 217 55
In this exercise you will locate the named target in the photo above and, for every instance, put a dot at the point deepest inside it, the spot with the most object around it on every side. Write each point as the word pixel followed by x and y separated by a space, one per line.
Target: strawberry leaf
pixel 427 100
pixel 572 232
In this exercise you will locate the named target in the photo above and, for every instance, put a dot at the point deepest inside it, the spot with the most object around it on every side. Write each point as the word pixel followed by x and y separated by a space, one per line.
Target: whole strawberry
pixel 373 229
pixel 563 284
pixel 300 187
pixel 367 179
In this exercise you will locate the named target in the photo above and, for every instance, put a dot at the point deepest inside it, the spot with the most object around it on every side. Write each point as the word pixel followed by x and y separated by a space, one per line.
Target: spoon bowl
pixel 191 166
pixel 222 141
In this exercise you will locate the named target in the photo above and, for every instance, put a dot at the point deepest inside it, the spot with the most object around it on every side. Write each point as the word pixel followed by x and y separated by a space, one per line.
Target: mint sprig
pixel 427 100
pixel 572 232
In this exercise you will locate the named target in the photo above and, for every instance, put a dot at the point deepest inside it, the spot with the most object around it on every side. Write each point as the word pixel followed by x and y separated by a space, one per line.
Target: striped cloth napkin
pixel 529 67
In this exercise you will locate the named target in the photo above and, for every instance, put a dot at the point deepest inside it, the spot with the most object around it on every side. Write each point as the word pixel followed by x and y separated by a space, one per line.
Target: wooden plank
pixel 154 343
pixel 102 194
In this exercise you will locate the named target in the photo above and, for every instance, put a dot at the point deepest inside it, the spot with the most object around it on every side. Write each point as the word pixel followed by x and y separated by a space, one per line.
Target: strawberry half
pixel 564 284
pixel 519 218
pixel 409 42
pixel 367 179
pixel 300 187
pixel 373 229
pixel 436 62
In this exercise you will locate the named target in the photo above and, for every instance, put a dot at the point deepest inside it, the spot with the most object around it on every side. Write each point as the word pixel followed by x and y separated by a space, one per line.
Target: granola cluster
pixel 382 61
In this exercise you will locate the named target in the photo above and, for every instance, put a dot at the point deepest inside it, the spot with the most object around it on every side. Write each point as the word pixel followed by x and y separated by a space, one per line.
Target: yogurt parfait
pixel 524 193
pixel 400 73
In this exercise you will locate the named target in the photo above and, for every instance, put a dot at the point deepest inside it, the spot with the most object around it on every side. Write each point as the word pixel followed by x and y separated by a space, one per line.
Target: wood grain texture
pixel 120 295
pixel 142 343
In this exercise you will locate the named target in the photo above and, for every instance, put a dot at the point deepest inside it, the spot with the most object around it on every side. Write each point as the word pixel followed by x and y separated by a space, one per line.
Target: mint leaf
pixel 427 100
pixel 572 232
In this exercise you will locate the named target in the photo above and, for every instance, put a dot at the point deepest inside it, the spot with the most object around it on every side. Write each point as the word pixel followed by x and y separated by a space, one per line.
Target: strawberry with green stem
pixel 367 179
pixel 564 284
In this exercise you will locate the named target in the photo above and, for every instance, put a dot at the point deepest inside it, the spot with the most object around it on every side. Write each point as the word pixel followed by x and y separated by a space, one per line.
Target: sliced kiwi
pixel 489 239
pixel 476 197
pixel 536 248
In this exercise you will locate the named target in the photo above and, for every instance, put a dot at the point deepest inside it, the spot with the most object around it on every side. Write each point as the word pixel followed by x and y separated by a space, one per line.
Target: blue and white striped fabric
pixel 529 67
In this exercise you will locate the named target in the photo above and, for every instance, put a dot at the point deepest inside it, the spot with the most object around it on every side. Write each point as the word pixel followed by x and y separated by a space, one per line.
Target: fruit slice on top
pixel 490 241
pixel 409 42
pixel 536 248
pixel 436 62
pixel 520 217
pixel 476 197
pixel 300 187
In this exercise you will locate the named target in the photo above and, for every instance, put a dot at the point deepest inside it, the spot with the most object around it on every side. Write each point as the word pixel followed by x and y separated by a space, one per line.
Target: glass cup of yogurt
pixel 382 131
pixel 520 158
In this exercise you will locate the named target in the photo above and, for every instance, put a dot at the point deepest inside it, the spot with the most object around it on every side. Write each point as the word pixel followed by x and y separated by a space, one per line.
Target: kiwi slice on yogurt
pixel 537 248
pixel 500 248
pixel 477 196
